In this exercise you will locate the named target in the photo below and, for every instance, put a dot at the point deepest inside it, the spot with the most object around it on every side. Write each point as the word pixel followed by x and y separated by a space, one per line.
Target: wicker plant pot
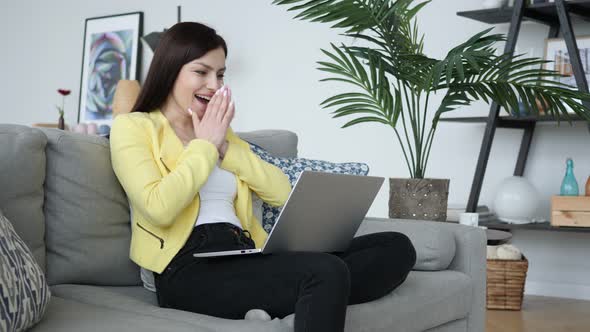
pixel 423 199
pixel 505 283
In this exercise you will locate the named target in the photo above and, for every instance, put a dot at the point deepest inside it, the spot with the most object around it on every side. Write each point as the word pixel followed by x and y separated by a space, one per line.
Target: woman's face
pixel 197 82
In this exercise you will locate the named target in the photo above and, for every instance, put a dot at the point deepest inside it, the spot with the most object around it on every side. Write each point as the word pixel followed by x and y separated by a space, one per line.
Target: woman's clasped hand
pixel 217 118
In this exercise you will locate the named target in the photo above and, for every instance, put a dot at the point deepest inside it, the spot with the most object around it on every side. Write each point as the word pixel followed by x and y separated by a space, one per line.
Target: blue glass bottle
pixel 569 185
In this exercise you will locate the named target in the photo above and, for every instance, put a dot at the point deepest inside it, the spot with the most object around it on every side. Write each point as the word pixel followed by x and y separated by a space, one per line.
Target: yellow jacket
pixel 162 179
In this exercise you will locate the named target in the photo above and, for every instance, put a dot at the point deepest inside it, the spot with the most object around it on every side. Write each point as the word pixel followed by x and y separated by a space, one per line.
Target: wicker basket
pixel 505 283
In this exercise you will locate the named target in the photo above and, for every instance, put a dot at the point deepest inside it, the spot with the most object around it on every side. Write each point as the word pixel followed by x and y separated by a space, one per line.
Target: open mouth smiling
pixel 203 99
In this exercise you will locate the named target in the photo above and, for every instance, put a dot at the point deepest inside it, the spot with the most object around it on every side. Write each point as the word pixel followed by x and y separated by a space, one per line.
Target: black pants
pixel 317 287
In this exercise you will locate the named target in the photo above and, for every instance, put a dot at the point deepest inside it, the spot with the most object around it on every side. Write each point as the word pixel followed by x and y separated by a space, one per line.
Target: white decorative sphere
pixel 516 201
pixel 488 4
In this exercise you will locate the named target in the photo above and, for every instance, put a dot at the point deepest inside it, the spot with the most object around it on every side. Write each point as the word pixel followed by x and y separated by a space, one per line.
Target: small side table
pixel 496 237
pixel 48 125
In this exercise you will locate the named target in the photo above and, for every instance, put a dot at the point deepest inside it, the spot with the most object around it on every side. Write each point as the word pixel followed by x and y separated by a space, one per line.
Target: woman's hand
pixel 219 114
pixel 223 149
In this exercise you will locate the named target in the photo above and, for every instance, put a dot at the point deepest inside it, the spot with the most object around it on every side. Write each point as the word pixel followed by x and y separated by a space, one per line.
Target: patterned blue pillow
pixel 292 167
pixel 24 293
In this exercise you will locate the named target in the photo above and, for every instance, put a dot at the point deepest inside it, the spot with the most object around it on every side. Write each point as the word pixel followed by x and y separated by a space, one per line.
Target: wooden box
pixel 573 211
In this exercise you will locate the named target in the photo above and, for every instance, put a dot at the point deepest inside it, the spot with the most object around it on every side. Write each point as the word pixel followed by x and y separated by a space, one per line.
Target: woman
pixel 189 180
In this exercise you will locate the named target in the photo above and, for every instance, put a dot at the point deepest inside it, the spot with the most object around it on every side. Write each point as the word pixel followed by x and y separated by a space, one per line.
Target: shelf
pixel 498 225
pixel 544 13
pixel 559 21
pixel 535 227
pixel 513 121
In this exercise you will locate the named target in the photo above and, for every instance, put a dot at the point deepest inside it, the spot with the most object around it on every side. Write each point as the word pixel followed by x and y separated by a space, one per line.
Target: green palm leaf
pixel 375 97
pixel 503 82
pixel 365 119
pixel 354 15
pixel 395 79
pixel 465 60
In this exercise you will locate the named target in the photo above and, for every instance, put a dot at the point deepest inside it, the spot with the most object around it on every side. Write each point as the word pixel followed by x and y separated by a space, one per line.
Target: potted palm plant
pixel 394 81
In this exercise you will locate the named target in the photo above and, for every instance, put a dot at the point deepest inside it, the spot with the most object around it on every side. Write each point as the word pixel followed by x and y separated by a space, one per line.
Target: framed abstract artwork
pixel 556 52
pixel 111 52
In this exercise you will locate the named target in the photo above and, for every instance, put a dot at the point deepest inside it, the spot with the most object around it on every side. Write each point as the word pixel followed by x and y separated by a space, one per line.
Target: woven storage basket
pixel 505 283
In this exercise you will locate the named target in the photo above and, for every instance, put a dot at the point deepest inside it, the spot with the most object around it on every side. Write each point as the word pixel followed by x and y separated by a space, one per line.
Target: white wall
pixel 272 72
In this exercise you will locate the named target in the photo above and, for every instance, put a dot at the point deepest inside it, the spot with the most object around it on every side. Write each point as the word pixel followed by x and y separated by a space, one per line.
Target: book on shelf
pixel 454 212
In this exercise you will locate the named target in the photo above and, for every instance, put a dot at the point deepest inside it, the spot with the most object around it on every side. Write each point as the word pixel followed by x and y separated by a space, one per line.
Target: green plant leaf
pixel 344 96
pixel 347 101
pixel 364 119
pixel 352 107
pixel 356 112
pixel 470 71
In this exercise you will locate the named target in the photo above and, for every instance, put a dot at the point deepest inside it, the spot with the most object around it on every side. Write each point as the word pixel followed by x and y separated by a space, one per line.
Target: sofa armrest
pixel 435 246
pixel 470 258
pixel 469 253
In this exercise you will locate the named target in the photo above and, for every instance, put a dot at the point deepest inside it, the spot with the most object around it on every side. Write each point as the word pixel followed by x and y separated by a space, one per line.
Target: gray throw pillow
pixel 24 293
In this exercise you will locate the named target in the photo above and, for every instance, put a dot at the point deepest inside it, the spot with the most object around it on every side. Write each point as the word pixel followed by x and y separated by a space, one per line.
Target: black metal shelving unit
pixel 558 16
pixel 545 226
pixel 544 13
pixel 512 121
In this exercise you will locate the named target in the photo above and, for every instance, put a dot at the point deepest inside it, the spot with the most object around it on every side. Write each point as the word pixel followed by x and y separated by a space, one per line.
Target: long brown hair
pixel 182 43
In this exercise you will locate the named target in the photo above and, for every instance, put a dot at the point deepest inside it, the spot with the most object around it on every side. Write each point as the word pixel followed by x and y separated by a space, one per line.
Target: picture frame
pixel 111 52
pixel 556 52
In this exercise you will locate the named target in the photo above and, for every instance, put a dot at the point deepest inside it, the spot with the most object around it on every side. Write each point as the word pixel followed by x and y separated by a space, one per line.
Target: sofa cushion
pixel 435 246
pixel 22 173
pixel 65 315
pixel 24 293
pixel 418 304
pixel 279 143
pixel 425 300
pixel 454 326
pixel 138 301
pixel 87 214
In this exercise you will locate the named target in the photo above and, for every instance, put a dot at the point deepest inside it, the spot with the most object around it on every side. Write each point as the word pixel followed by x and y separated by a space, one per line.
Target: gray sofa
pixel 60 193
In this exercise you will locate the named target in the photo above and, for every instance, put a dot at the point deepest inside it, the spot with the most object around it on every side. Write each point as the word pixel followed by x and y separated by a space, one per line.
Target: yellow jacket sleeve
pixel 159 198
pixel 266 180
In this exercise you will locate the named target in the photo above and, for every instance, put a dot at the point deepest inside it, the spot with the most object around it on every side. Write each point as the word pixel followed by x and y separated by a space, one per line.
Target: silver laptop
pixel 322 214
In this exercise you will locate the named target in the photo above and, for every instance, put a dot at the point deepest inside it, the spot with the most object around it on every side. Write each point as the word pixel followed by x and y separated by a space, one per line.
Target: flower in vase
pixel 64 93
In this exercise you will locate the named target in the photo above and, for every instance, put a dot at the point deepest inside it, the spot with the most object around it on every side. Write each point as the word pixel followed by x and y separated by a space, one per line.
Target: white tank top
pixel 216 205
pixel 217 198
